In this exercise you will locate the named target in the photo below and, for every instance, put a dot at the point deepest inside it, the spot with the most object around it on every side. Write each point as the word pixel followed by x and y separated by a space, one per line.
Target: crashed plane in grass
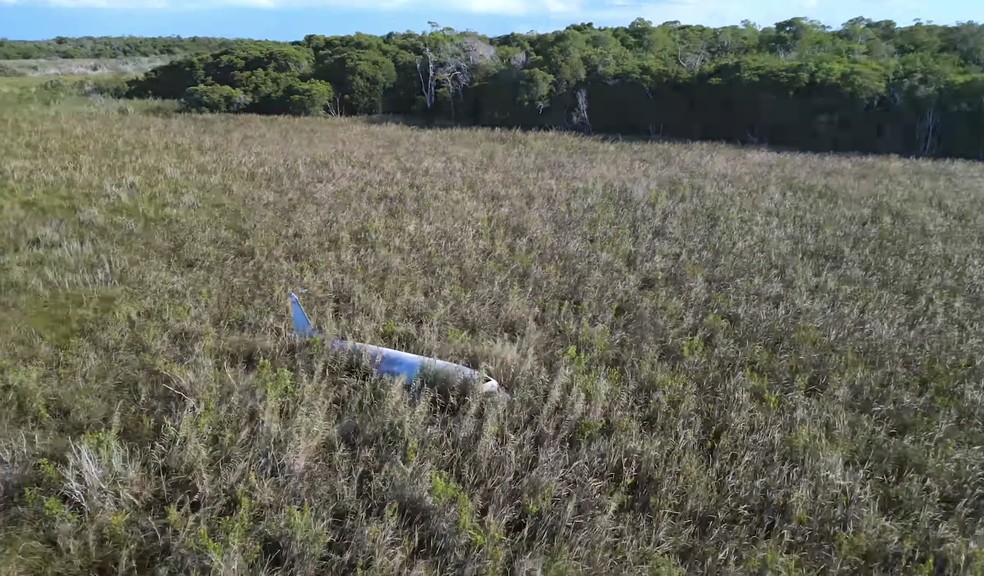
pixel 396 363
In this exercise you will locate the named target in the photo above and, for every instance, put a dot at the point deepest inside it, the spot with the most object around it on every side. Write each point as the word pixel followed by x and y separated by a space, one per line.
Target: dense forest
pixel 869 86
pixel 109 47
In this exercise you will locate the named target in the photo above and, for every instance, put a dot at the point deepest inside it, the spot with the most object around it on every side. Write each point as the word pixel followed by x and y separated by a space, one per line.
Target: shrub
pixel 214 98
pixel 309 98
pixel 169 81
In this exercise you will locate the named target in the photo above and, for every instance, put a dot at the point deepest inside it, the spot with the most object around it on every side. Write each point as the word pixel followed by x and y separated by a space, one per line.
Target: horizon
pixel 287 20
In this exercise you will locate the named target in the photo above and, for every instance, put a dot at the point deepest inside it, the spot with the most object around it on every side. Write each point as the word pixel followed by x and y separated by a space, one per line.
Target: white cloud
pixel 503 7
pixel 562 12
pixel 763 13
pixel 500 7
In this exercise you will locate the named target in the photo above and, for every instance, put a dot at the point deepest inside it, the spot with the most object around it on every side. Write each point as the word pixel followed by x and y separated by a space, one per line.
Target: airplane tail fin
pixel 302 324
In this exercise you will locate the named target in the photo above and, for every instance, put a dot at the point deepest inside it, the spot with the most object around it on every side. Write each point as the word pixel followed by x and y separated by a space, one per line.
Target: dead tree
pixel 927 129
pixel 450 66
pixel 692 59
pixel 580 116
pixel 428 80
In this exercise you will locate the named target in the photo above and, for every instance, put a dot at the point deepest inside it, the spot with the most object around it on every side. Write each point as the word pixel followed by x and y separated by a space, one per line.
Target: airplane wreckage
pixel 398 365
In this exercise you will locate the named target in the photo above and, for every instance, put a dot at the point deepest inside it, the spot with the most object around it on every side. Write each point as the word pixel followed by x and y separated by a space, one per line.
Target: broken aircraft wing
pixel 395 363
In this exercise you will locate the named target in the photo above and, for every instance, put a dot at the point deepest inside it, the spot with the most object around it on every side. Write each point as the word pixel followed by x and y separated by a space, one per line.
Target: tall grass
pixel 722 360
pixel 47 67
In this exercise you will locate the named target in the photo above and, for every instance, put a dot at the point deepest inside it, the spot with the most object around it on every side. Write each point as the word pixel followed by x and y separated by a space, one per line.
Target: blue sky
pixel 292 19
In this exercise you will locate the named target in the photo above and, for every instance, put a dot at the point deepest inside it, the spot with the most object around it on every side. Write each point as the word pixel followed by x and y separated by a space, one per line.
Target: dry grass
pixel 723 360
pixel 47 67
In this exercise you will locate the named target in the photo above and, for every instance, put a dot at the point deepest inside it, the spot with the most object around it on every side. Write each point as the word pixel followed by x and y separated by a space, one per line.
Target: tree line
pixel 109 47
pixel 869 86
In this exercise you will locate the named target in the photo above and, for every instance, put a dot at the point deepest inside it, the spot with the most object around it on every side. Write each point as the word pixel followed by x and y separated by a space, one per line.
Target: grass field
pixel 52 67
pixel 722 360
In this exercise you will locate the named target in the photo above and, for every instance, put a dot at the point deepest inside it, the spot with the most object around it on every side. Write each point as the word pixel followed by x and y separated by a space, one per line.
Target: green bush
pixel 309 98
pixel 214 98
pixel 168 81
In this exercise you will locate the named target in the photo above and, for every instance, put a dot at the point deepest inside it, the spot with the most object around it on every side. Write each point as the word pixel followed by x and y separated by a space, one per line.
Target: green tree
pixel 171 80
pixel 869 85
pixel 309 98
pixel 214 98
pixel 535 89
pixel 361 78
